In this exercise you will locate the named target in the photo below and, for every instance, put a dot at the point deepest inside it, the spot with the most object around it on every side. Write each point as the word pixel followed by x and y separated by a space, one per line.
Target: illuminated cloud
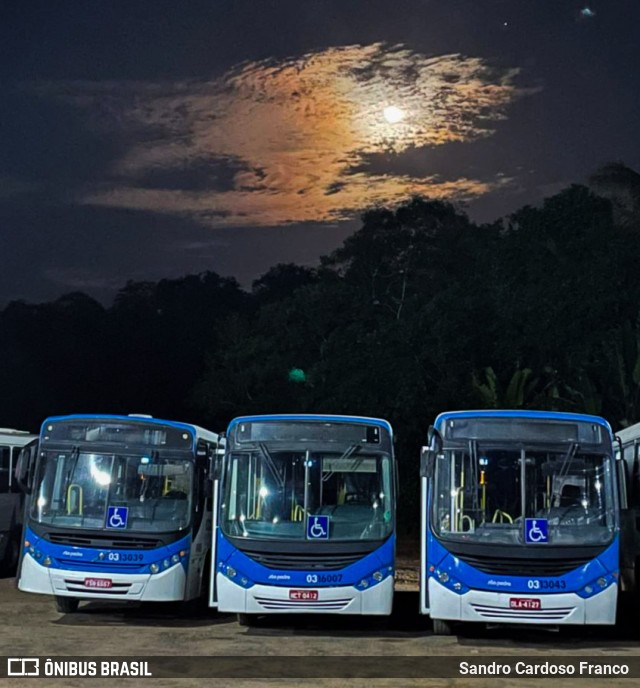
pixel 276 142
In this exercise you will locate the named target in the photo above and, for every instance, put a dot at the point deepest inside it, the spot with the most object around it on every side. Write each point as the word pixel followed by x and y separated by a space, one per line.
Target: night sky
pixel 144 140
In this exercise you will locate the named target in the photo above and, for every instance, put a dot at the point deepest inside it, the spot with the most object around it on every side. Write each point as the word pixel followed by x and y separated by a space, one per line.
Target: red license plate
pixel 525 603
pixel 97 582
pixel 303 594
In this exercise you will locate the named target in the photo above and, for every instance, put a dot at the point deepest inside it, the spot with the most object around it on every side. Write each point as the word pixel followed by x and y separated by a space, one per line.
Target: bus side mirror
pixel 621 474
pixel 429 453
pixel 427 461
pixel 24 467
pixel 215 464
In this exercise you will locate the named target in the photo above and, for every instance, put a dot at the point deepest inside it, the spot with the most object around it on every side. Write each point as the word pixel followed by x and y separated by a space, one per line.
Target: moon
pixel 393 114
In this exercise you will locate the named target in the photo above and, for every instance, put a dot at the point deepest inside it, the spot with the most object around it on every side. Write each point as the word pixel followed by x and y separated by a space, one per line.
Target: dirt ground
pixel 32 627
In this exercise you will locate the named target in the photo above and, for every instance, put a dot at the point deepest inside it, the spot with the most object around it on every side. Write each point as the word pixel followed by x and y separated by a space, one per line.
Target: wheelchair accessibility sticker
pixel 318 528
pixel 536 530
pixel 117 516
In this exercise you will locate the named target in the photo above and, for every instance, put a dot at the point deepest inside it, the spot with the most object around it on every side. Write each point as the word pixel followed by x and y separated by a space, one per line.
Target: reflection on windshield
pixel 77 489
pixel 486 495
pixel 272 494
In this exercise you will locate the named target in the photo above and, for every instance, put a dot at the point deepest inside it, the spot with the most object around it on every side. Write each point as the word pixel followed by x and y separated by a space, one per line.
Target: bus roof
pixel 17 438
pixel 533 415
pixel 629 434
pixel 201 432
pixel 318 417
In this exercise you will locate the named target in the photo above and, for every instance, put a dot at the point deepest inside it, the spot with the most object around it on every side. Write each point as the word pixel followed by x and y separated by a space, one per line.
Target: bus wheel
pixel 441 627
pixel 247 619
pixel 67 605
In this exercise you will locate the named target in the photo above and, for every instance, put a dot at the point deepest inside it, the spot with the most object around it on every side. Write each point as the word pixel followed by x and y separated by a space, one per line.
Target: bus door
pixel 427 466
pixel 25 468
pixel 215 471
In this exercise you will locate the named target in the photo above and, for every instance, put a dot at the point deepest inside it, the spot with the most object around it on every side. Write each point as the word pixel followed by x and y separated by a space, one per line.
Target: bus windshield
pixel 79 489
pixel 485 495
pixel 271 494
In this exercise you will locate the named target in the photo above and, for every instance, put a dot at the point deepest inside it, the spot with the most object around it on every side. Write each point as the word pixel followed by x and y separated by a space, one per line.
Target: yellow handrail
pixel 502 515
pixel 297 513
pixel 74 487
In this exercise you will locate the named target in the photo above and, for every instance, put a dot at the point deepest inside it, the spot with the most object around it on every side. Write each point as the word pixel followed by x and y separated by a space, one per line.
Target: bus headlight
pixel 449 582
pixel 596 586
pixel 375 578
pixel 238 577
pixel 47 561
pixel 154 568
pixel 166 563
pixel 175 558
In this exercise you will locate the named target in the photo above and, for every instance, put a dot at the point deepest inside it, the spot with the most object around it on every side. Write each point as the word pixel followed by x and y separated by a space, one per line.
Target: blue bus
pixel 520 519
pixel 307 517
pixel 119 508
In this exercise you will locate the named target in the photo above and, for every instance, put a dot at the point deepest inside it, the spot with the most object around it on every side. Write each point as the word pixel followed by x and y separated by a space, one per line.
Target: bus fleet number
pixel 116 556
pixel 546 584
pixel 324 578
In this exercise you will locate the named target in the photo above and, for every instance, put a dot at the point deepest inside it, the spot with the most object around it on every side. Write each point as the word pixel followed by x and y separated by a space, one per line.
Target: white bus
pixel 520 519
pixel 120 508
pixel 307 517
pixel 11 497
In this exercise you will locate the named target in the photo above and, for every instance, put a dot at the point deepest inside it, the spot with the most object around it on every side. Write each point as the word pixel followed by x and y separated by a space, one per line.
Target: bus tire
pixel 67 605
pixel 441 627
pixel 247 620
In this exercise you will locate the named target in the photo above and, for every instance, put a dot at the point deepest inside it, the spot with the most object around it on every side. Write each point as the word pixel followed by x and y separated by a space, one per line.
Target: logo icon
pixel 23 666
pixel 536 530
pixel 318 528
pixel 117 516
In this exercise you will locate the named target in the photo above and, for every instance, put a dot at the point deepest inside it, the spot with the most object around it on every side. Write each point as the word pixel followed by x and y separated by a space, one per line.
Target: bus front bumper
pixel 271 599
pixel 165 586
pixel 549 609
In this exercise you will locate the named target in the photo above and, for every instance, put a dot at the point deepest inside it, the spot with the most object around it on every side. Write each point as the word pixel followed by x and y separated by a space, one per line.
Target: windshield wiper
pixel 73 457
pixel 271 464
pixel 564 470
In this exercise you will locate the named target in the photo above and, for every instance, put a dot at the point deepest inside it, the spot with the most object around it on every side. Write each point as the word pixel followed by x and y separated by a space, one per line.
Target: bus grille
pixel 303 562
pixel 303 605
pixel 502 614
pixel 523 567
pixel 77 585
pixel 102 541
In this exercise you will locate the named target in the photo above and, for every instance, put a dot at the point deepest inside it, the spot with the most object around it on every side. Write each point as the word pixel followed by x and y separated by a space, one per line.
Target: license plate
pixel 525 603
pixel 303 594
pixel 97 582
